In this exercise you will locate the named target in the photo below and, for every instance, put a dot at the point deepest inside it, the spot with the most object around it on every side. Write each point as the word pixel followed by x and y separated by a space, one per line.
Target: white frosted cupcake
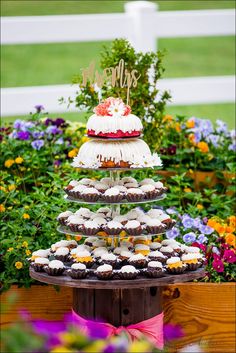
pixel 156 255
pixel 90 194
pixel 91 228
pixel 54 268
pixel 77 190
pixel 113 228
pixel 85 181
pixel 150 191
pixel 133 227
pixel 39 263
pixel 70 244
pixel 142 249
pixel 128 272
pixel 63 217
pixel 109 258
pixel 155 245
pixel 84 257
pixel 62 254
pixel 101 187
pixel 135 195
pixel 138 261
pixel 154 226
pixel 174 265
pixel 75 223
pixel 191 261
pixel 154 269
pixel 147 181
pixel 99 243
pixel 104 272
pixel 125 254
pixel 98 252
pixel 40 253
pixel 167 251
pixel 155 213
pixel 84 212
pixel 167 221
pixel 112 195
pixel 77 271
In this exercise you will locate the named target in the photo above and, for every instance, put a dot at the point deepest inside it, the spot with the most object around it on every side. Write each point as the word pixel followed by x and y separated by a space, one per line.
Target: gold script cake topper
pixel 117 76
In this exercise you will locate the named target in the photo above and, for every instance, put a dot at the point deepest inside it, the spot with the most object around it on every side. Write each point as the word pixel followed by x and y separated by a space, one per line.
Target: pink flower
pixel 111 107
pixel 218 265
pixel 229 256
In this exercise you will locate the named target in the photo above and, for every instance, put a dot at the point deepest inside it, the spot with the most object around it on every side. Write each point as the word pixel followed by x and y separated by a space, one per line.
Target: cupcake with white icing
pixel 39 263
pixel 70 186
pixel 98 252
pixel 75 223
pixel 149 191
pixel 40 253
pixel 109 258
pixel 156 255
pixel 138 261
pixel 160 187
pixel 62 254
pixel 105 211
pixel 147 181
pixel 77 191
pixel 101 187
pixel 154 226
pixel 70 244
pixel 63 217
pixel 104 272
pixel 155 213
pixel 126 244
pixel 84 212
pixel 167 251
pixel 155 245
pixel 134 194
pixel 99 243
pixel 54 268
pixel 90 240
pixel 77 271
pixel 85 181
pixel 154 269
pixel 174 265
pixel 191 261
pixel 142 249
pixel 125 254
pixel 133 227
pixel 90 194
pixel 167 221
pixel 113 228
pixel 128 272
pixel 141 240
pixel 84 257
pixel 91 228
pixel 112 195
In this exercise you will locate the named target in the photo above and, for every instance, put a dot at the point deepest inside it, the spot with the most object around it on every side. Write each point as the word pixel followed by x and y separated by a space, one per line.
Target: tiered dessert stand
pixel 119 302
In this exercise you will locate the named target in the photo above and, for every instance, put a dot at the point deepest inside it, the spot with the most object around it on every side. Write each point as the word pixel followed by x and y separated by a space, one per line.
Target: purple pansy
pixel 57 163
pixel 214 139
pixel 221 127
pixel 187 221
pixel 59 122
pixel 189 237
pixel 206 229
pixel 37 144
pixel 202 239
pixel 39 108
pixel 232 147
pixel 18 123
pixel 173 233
pixel 23 135
pixel 27 125
pixel 197 222
pixel 53 130
pixel 37 134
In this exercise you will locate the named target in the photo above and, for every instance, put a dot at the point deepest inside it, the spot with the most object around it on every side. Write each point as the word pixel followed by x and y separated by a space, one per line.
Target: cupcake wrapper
pixel 159 259
pixel 88 264
pixel 75 227
pixel 177 270
pixel 62 221
pixel 123 261
pixel 193 267
pixel 152 194
pixel 90 231
pixel 155 230
pixel 112 263
pixel 90 197
pixel 169 224
pixel 154 273
pixel 54 271
pixel 37 267
pixel 134 198
pixel 168 255
pixel 134 231
pixel 112 199
pixel 77 274
pixel 112 231
pixel 63 258
pixel 104 275
pixel 138 264
pixel 68 191
pixel 75 194
pixel 127 276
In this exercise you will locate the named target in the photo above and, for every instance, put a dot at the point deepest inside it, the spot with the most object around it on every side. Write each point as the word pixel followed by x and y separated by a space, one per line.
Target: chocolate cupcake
pixel 133 228
pixel 62 254
pixel 77 271
pixel 138 261
pixel 113 228
pixel 40 253
pixel 63 217
pixel 142 249
pixel 154 269
pixel 98 252
pixel 150 191
pixel 84 257
pixel 124 256
pixel 167 221
pixel 157 256
pixel 75 223
pixel 126 244
pixel 71 185
pixel 77 191
pixel 175 266
pixel 131 185
pixel 128 272
pixel 104 272
pixel 159 186
pixel 54 268
pixel 101 187
pixel 99 243
pixel 154 246
pixel 134 195
pixel 122 219
pixel 112 195
pixel 167 251
pixel 109 259
pixel 147 181
pixel 90 194
pixel 191 261
pixel 90 228
pixel 39 263
pixel 154 226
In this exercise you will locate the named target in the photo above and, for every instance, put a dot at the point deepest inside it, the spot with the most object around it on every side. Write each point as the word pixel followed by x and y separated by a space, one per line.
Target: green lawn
pixel 224 112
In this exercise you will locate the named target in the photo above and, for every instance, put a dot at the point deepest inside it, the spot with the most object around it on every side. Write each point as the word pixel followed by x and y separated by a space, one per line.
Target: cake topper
pixel 117 76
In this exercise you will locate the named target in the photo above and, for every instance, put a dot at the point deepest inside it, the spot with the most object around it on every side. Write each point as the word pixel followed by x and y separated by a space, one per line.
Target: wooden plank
pixel 107 305
pixel 206 312
pixel 83 302
pixel 132 306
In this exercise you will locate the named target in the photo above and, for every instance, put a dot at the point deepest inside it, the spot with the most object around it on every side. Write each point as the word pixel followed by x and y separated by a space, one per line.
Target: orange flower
pixel 73 153
pixel 232 221
pixel 26 216
pixel 190 123
pixel 230 239
pixel 167 118
pixel 199 206
pixel 230 229
pixel 220 228
pixel 2 208
pixel 78 237
pixel 191 138
pixel 203 146
pixel 211 223
pixel 187 190
pixel 177 127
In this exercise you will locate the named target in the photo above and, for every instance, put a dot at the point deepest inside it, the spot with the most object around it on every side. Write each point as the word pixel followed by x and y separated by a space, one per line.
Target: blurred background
pixel 56 63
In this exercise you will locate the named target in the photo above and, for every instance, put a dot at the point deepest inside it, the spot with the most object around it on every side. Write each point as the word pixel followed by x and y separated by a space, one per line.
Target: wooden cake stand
pixel 119 302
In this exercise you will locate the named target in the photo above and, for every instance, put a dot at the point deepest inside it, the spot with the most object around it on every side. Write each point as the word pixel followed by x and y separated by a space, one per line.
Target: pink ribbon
pixel 152 329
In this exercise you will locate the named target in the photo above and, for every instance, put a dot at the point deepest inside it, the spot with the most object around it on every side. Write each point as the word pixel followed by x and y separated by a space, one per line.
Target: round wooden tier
pixel 119 302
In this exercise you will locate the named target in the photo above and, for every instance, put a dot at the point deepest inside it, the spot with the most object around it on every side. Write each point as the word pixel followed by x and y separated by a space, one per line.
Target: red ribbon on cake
pixel 152 329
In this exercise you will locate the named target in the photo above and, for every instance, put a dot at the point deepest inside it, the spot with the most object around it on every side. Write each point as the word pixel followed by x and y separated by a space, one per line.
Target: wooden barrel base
pixel 118 306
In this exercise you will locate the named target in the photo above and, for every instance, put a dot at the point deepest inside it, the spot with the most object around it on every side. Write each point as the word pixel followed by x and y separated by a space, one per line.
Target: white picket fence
pixel 142 24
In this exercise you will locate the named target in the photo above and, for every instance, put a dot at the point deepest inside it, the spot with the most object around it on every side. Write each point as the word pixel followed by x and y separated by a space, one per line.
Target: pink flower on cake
pixel 112 107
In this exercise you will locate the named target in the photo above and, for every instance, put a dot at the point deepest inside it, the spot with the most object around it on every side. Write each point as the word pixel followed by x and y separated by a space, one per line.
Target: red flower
pixel 218 265
pixel 229 256
pixel 200 246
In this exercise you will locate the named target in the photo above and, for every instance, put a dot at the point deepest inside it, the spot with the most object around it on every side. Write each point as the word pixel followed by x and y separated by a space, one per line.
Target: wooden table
pixel 119 302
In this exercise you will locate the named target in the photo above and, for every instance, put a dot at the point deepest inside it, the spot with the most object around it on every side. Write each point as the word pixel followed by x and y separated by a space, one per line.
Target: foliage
pixel 143 99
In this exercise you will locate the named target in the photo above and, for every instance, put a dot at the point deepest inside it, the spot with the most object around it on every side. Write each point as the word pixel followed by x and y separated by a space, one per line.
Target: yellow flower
pixel 73 153
pixel 2 188
pixel 203 146
pixel 25 244
pixel 26 207
pixel 10 208
pixel 2 208
pixel 167 118
pixel 19 160
pixel 62 349
pixel 190 171
pixel 190 123
pixel 26 216
pixel 177 127
pixel 187 190
pixel 11 187
pixel 140 347
pixel 27 252
pixel 18 265
pixel 9 163
pixel 10 249
pixel 199 206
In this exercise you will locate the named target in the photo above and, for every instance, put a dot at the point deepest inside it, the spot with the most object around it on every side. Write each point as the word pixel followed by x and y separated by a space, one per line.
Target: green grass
pixel 50 7
pixel 224 112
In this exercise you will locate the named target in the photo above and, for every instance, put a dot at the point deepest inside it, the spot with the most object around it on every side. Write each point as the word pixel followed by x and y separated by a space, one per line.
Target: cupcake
pixel 143 219
pixel 85 181
pixel 154 245
pixel 159 186
pixel 131 185
pixel 157 256
pixel 39 263
pixel 101 221
pixel 77 191
pixel 71 185
pixel 132 215
pixel 107 181
pixel 128 272
pixel 54 268
pixel 134 195
pixel 122 189
pixel 62 217
pixel 155 213
pixel 101 187
pixel 104 272
pixel 167 251
pixel 90 194
pixel 191 261
pixel 109 258
pixel 128 180
pixel 154 226
pixel 98 252
pixel 122 219
pixel 149 191
pixel 154 269
pixel 174 265
pixel 167 221
pixel 84 257
pixel 77 271
pixel 138 261
pixel 147 181
pixel 142 249
pixel 104 211
pixel 125 255
pixel 141 240
pixel 84 213
pixel 133 227
pixel 70 244
pixel 91 228
pixel 62 254
pixel 112 195
pixel 40 253
pixel 75 223
pixel 113 228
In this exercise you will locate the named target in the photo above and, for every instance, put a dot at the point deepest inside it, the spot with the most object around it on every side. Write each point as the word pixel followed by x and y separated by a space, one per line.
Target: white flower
pixel 157 162
pixel 117 108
